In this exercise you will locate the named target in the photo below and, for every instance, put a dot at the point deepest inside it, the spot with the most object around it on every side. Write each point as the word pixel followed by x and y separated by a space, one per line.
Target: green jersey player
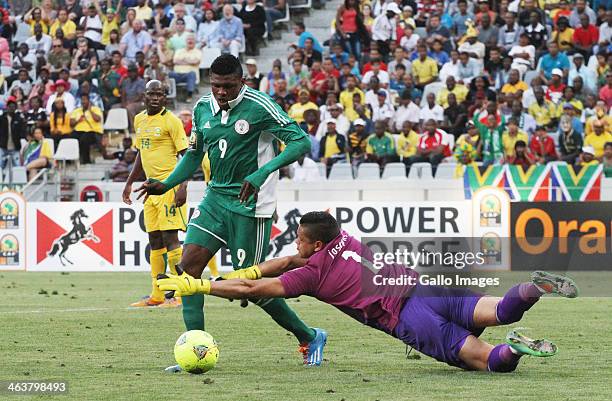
pixel 239 128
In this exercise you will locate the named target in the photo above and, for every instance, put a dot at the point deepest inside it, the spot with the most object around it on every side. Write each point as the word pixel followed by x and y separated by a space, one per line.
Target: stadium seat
pixel 434 88
pixel 67 150
pixel 51 144
pixel 413 173
pixel 171 96
pixel 306 4
pixel 368 171
pixel 286 18
pixel 341 171
pixel 20 176
pixel 529 76
pixel 322 170
pixel 394 171
pixel 116 120
pixel 446 171
pixel 424 171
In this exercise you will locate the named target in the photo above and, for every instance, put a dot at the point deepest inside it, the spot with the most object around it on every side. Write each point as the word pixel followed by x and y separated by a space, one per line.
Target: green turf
pixel 112 353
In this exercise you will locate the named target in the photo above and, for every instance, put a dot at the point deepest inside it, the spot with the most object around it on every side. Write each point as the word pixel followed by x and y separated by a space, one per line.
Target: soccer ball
pixel 196 351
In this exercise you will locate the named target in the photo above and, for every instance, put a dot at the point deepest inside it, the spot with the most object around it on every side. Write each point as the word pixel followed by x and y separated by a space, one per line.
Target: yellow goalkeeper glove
pixel 250 273
pixel 183 284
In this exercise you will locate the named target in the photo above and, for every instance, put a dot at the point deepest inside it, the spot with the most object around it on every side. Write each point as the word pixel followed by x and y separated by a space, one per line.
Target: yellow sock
pixel 158 266
pixel 174 257
pixel 212 265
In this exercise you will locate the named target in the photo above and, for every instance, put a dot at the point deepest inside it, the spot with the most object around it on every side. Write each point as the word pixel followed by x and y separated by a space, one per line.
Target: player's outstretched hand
pixel 150 187
pixel 249 273
pixel 182 285
pixel 246 191
pixel 127 191
pixel 180 197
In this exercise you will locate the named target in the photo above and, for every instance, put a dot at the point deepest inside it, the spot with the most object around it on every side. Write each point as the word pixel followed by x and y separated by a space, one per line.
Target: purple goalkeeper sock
pixel 517 301
pixel 502 359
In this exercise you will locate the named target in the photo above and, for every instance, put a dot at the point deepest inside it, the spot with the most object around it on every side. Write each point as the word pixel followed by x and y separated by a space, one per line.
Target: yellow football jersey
pixel 159 138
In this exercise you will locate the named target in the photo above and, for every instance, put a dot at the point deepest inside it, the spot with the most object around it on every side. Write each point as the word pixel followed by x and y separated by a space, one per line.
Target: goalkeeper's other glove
pixel 249 273
pixel 183 284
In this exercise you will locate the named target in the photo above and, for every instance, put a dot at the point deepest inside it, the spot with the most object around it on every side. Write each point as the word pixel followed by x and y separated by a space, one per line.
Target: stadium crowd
pixel 520 82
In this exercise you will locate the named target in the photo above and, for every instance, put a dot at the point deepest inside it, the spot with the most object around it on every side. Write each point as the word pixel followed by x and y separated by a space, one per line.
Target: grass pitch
pixel 76 327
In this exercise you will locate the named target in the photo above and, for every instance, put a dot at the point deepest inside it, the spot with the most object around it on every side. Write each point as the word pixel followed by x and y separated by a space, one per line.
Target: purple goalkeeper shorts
pixel 437 320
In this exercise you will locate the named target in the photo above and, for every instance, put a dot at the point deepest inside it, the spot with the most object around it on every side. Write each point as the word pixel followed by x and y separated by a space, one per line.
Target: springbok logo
pixel 289 235
pixel 78 233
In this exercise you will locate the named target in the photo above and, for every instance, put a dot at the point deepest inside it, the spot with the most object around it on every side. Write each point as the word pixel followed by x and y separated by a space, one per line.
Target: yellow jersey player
pixel 160 140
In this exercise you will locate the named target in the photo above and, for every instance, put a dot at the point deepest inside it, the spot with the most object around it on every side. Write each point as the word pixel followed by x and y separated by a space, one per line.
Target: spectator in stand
pixel 537 33
pixel 23 82
pixel 108 84
pixel 156 70
pixel 407 111
pixel 91 24
pixel 543 110
pixel 587 157
pixel 253 75
pixel 376 71
pixel 460 92
pixel 122 169
pixel 37 116
pixel 508 34
pixel 380 146
pixel 424 68
pixel 300 31
pixel 461 18
pixel 143 11
pixel 598 139
pixel 67 26
pixel 382 111
pixel 180 12
pixel 305 169
pixel 207 28
pixel 511 136
pixel 338 56
pixel 113 44
pixel 346 97
pixel 60 91
pixel 563 36
pixel 187 65
pixel 132 94
pixel 130 17
pixel 384 29
pixel 59 122
pixel 514 84
pixel 311 55
pixel 36 154
pixel 253 19
pixel 342 123
pixel 433 145
pixel 467 69
pixel 605 93
pixel 332 146
pixel 491 138
pixel 357 140
pixel 407 143
pixel 523 54
pixel 12 130
pixel 432 110
pixel 178 40
pixel 585 37
pixel 275 10
pixel 522 157
pixel 296 111
pixel 455 116
pixel 39 41
pixel 110 21
pixel 33 17
pixel 350 28
pixel 229 36
pixel 135 40
pixel 553 60
pixel 570 141
pixel 22 59
pixel 468 147
pixel 487 32
pixel 310 125
pixel 86 122
pixel 579 70
pixel 542 146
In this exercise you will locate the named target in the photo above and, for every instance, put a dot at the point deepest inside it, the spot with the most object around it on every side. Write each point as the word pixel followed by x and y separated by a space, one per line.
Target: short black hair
pixel 320 226
pixel 608 145
pixel 226 64
pixel 300 25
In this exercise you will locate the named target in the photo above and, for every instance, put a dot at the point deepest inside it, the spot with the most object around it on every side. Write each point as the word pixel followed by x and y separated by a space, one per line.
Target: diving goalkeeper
pixel 440 322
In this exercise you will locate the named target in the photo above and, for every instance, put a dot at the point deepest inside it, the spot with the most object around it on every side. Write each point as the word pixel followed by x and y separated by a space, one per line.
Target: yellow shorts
pixel 161 214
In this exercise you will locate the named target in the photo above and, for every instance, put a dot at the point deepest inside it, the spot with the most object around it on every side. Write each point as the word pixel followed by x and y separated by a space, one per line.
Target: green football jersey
pixel 241 142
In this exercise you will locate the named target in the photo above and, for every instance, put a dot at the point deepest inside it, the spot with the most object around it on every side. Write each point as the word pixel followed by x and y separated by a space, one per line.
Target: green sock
pixel 282 314
pixel 193 311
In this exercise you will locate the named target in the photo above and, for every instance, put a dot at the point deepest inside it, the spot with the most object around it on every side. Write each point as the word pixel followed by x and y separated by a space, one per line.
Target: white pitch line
pixel 59 310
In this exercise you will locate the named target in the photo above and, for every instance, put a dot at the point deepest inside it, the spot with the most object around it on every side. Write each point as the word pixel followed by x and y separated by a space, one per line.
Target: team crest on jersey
pixel 241 127
pixel 196 214
pixel 157 131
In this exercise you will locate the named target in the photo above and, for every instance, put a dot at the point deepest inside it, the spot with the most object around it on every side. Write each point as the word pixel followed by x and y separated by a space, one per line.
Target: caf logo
pixel 9 250
pixel 490 246
pixel 9 213
pixel 490 211
pixel 241 127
